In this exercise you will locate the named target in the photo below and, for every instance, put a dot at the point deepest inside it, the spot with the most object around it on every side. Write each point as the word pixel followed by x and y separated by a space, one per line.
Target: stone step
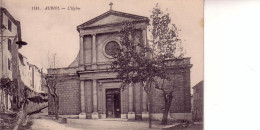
pixel 113 119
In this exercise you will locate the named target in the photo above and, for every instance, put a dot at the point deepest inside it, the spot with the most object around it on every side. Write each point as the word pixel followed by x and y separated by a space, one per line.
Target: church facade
pixel 92 91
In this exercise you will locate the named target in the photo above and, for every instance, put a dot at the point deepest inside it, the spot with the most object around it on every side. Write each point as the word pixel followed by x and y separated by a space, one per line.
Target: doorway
pixel 113 105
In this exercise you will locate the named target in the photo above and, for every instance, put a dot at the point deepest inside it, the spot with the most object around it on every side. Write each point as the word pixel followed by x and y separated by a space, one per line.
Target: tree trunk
pixel 56 106
pixel 21 114
pixel 2 107
pixel 149 93
pixel 149 108
pixel 168 101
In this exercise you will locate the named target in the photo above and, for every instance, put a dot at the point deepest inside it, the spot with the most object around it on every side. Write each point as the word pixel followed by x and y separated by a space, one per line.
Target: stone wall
pixel 198 102
pixel 69 97
pixel 69 94
pixel 181 102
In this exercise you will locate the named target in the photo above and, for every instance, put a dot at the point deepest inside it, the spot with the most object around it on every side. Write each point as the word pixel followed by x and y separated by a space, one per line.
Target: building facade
pixel 197 111
pixel 37 80
pixel 25 71
pixel 92 91
pixel 10 34
pixel 31 75
pixel 13 65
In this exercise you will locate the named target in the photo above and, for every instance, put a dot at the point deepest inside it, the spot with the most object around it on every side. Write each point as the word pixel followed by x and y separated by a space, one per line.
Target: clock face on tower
pixel 111 47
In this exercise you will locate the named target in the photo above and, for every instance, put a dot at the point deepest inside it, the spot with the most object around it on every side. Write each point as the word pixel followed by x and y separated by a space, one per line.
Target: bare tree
pixel 53 60
pixel 51 81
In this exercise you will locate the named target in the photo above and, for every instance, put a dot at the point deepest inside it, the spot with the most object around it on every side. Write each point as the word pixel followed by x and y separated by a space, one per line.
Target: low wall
pixel 32 107
pixel 155 116
pixel 173 116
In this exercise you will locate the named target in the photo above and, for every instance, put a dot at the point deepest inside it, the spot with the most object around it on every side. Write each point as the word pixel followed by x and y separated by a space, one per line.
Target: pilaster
pixel 144 34
pixel 95 112
pixel 82 115
pixel 94 52
pixel 144 101
pixel 131 114
pixel 81 51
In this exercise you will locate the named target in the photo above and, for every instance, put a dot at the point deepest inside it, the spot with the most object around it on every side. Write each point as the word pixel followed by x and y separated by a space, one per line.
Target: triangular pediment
pixel 111 17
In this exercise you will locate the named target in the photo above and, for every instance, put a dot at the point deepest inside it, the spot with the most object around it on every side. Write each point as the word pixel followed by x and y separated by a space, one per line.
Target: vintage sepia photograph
pixel 95 65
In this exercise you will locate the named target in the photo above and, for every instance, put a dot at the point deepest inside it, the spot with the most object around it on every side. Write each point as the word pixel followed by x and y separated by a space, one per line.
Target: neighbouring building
pixel 13 65
pixel 37 79
pixel 197 111
pixel 10 35
pixel 31 78
pixel 91 91
pixel 25 71
pixel 31 75
pixel 192 103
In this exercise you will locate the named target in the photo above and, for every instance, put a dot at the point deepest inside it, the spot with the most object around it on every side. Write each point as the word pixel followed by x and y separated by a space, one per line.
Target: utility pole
pixel 54 60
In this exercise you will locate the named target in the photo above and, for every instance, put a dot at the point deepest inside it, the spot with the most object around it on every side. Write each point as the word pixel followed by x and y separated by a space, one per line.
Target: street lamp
pixel 20 43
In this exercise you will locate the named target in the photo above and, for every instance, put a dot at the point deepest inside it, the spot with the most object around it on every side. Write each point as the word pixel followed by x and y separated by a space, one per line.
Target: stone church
pixel 92 91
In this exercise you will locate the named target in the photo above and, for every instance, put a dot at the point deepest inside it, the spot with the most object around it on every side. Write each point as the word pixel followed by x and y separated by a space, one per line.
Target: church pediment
pixel 111 17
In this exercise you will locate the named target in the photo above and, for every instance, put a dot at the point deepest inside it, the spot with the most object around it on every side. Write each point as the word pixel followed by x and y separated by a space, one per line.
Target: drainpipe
pixel 1 31
pixel 2 68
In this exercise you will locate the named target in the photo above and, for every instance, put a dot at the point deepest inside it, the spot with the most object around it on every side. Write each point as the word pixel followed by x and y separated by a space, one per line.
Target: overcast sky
pixel 52 31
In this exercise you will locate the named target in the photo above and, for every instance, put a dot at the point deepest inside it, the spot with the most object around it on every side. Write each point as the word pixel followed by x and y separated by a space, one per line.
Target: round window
pixel 111 48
